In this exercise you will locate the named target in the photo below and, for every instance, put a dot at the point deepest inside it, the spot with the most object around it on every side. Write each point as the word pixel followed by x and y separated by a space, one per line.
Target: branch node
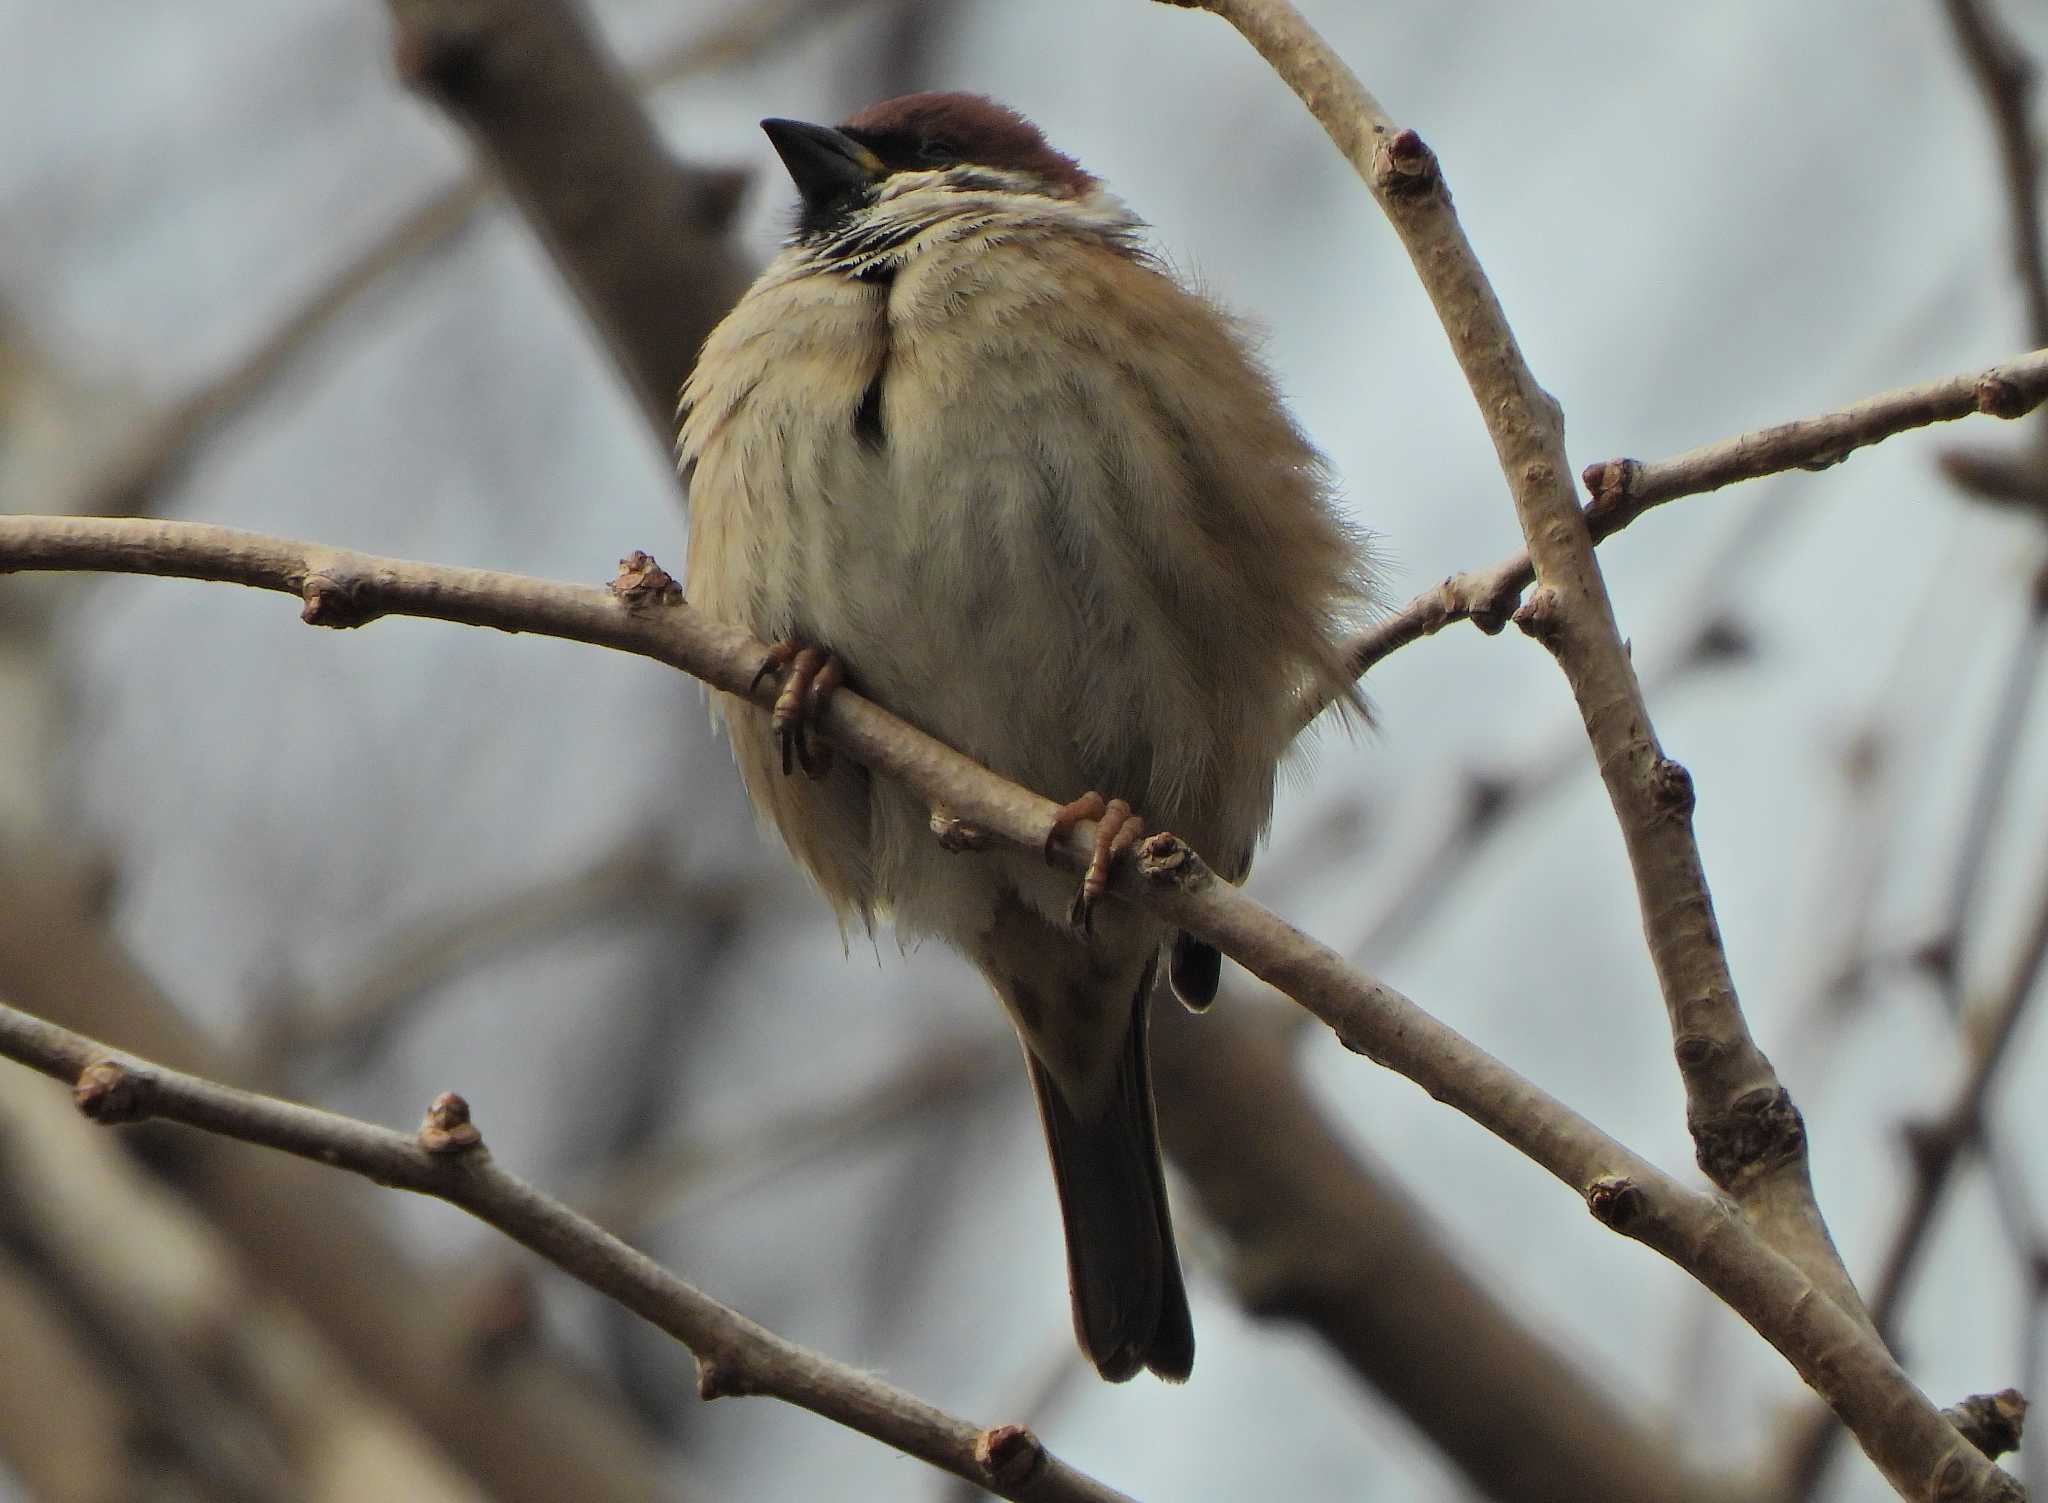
pixel 1671 790
pixel 1009 1454
pixel 1992 1422
pixel 1404 166
pixel 332 601
pixel 1540 616
pixel 109 1092
pixel 1760 1130
pixel 722 1378
pixel 958 835
pixel 1165 860
pixel 2000 398
pixel 446 1129
pixel 641 581
pixel 1467 596
pixel 1694 1051
pixel 1937 958
pixel 1609 482
pixel 1616 1201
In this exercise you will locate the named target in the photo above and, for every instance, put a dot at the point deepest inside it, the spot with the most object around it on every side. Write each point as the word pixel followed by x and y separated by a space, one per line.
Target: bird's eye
pixel 936 151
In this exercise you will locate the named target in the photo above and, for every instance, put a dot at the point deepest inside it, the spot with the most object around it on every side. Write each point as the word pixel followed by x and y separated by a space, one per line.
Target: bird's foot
pixel 1117 829
pixel 809 675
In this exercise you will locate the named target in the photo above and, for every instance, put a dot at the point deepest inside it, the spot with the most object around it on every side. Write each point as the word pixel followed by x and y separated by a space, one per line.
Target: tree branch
pixel 447 1160
pixel 1624 489
pixel 643 613
pixel 1320 1234
pixel 640 237
pixel 1748 1135
pixel 1317 1234
pixel 536 1433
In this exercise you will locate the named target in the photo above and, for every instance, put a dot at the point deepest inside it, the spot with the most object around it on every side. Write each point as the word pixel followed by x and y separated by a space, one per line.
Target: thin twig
pixel 447 1160
pixel 1488 801
pixel 2005 77
pixel 1624 489
pixel 1747 1134
pixel 1998 761
pixel 537 1432
pixel 1939 1144
pixel 1834 1352
pixel 1321 1233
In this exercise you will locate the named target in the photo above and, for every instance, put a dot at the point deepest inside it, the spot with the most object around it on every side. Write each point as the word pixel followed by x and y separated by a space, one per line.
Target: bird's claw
pixel 1117 830
pixel 809 675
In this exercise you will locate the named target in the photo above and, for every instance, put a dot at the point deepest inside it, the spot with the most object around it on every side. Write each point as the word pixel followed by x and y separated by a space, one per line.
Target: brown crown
pixel 978 129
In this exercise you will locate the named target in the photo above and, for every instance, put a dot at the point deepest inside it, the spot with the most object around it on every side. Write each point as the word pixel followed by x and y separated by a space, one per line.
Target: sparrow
pixel 969 448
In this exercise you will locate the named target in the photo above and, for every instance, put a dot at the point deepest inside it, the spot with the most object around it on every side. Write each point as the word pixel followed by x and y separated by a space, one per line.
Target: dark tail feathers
pixel 1130 1307
pixel 1195 971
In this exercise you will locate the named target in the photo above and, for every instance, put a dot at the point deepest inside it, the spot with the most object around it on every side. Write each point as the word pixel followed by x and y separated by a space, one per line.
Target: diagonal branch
pixel 537 1432
pixel 447 1160
pixel 1838 1355
pixel 1320 1233
pixel 1624 489
pixel 1747 1133
pixel 640 237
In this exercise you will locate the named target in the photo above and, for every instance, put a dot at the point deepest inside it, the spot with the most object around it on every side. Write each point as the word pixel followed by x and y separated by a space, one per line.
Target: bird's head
pixel 940 142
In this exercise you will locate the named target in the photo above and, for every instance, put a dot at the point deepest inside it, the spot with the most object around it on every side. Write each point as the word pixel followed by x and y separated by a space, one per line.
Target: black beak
pixel 827 166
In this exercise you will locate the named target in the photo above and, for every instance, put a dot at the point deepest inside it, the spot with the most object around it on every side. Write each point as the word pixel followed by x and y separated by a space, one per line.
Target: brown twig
pixel 536 1434
pixel 447 1160
pixel 1937 1145
pixel 1374 1281
pixel 1624 489
pixel 1490 800
pixel 1320 1234
pixel 640 237
pixel 1835 1353
pixel 2005 76
pixel 1990 786
pixel 1747 1133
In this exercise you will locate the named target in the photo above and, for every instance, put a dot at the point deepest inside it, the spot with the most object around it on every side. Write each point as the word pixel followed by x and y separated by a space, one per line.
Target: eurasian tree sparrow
pixel 968 445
